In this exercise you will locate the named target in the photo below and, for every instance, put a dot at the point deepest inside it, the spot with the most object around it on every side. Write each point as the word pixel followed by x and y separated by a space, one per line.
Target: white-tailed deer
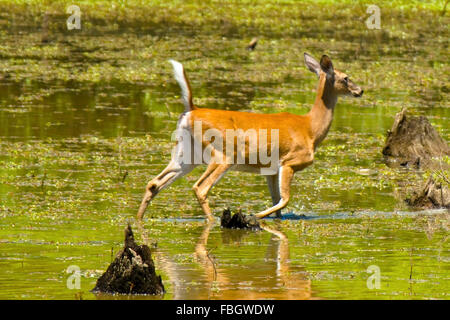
pixel 296 139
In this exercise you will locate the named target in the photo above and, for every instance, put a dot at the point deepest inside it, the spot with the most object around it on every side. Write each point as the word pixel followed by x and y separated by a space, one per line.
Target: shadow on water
pixel 354 215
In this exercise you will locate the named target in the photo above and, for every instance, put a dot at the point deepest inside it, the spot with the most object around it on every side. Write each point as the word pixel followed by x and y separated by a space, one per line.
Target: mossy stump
pixel 131 272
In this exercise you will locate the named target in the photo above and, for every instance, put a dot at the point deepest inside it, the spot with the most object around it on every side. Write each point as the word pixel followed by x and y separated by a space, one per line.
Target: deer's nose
pixel 358 94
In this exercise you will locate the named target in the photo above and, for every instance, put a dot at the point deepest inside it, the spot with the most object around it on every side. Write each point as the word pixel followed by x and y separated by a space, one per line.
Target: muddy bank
pixel 432 196
pixel 413 142
pixel 131 272
pixel 238 220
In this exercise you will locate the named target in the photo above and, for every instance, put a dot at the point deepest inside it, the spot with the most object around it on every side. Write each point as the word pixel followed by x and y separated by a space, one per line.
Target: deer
pixel 297 139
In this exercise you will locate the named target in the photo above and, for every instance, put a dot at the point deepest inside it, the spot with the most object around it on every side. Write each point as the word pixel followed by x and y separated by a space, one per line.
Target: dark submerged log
pixel 413 141
pixel 238 221
pixel 131 272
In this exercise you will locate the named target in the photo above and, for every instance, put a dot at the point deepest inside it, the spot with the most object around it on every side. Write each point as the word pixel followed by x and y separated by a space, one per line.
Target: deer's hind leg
pixel 214 172
pixel 170 174
pixel 181 164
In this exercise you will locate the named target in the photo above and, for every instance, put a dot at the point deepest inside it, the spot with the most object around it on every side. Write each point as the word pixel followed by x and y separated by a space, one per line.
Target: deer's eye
pixel 346 80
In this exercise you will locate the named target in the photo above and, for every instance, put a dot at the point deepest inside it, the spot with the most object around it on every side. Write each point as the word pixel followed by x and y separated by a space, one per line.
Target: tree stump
pixel 238 221
pixel 131 272
pixel 413 141
pixel 433 195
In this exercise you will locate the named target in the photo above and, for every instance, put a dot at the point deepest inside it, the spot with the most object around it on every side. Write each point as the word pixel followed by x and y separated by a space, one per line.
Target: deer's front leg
pixel 274 188
pixel 286 173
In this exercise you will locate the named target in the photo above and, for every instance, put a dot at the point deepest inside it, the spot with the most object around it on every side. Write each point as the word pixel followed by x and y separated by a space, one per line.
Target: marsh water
pixel 87 116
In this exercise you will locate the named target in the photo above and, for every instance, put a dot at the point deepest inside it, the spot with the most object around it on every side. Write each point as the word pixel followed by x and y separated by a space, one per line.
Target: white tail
pixel 180 76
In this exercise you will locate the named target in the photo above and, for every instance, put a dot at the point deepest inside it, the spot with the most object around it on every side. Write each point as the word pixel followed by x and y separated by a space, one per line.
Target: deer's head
pixel 337 80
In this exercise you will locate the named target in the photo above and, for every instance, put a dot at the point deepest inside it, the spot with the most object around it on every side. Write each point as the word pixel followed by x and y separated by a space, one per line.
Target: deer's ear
pixel 326 64
pixel 312 64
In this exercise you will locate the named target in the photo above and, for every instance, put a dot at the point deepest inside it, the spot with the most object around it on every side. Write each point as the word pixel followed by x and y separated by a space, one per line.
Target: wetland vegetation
pixel 86 118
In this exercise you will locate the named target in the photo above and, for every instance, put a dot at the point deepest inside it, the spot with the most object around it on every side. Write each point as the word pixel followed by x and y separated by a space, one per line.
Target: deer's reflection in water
pixel 228 276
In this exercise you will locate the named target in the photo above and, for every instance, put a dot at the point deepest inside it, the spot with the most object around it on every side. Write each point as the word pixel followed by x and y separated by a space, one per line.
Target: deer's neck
pixel 321 113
